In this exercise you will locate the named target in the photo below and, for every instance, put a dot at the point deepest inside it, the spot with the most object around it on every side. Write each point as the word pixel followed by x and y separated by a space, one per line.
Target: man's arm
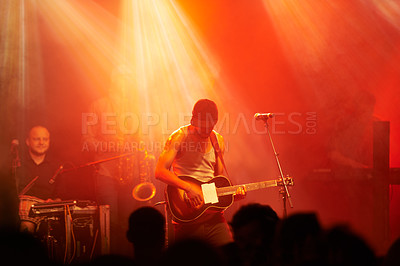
pixel 164 164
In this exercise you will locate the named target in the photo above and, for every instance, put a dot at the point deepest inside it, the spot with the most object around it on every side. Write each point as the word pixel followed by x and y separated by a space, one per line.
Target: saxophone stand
pixel 284 191
pixel 16 163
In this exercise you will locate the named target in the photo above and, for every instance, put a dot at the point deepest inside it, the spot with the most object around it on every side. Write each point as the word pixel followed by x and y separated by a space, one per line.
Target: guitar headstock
pixel 288 181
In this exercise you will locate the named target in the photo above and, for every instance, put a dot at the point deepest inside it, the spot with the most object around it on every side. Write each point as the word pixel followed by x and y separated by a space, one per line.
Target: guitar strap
pixel 215 144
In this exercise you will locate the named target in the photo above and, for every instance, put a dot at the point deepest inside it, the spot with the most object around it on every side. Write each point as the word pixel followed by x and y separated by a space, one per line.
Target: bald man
pixel 34 176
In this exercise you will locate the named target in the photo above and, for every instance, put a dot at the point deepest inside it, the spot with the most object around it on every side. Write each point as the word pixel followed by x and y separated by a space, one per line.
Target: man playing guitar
pixel 190 151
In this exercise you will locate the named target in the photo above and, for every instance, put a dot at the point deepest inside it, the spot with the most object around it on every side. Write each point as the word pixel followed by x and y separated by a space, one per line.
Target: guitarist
pixel 190 151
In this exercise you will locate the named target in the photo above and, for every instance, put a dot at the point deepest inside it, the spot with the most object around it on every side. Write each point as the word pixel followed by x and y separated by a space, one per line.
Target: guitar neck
pixel 223 191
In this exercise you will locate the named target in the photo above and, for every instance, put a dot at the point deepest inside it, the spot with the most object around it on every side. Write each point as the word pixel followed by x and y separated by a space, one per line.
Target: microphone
pixel 14 146
pixel 263 117
pixel 14 151
pixel 59 170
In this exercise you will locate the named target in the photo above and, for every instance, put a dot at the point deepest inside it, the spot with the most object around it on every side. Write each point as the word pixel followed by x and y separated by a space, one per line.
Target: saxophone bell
pixel 144 191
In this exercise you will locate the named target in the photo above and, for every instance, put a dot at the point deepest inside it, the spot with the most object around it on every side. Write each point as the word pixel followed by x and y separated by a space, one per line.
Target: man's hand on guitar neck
pixel 194 195
pixel 240 193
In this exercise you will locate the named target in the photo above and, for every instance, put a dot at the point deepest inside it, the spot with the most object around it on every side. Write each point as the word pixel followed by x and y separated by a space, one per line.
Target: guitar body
pixel 183 212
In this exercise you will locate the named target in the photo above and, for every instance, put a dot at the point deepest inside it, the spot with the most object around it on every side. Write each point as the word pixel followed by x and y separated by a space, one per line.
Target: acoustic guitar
pixel 182 211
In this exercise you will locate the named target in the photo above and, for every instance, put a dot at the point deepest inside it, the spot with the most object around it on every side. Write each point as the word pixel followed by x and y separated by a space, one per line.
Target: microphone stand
pixel 284 191
pixel 16 163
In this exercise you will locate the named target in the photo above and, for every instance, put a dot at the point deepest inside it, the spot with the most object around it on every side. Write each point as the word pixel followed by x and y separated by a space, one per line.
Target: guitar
pixel 182 211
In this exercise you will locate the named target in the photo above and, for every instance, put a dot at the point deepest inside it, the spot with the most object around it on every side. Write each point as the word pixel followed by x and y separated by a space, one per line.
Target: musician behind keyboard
pixel 34 176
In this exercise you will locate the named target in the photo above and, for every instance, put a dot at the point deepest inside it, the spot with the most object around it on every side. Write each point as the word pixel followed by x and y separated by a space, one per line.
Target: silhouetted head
pixel 146 228
pixel 260 220
pixel 345 247
pixel 298 239
pixel 253 228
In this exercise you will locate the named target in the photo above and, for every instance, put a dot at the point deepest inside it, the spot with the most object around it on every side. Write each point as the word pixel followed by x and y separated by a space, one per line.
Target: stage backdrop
pixel 327 70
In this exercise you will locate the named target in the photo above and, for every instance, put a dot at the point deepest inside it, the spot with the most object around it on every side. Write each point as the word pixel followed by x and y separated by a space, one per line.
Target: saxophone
pixel 126 170
pixel 145 190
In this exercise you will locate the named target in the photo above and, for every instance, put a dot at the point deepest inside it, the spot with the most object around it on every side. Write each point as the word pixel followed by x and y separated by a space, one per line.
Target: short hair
pixel 36 126
pixel 205 110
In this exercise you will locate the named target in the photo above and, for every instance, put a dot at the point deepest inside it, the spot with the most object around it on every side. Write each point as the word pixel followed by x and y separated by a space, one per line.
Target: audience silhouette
pixel 253 228
pixel 260 238
pixel 193 252
pixel 21 248
pixel 9 202
pixel 298 240
pixel 344 247
pixel 109 260
pixel 146 232
pixel 392 257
